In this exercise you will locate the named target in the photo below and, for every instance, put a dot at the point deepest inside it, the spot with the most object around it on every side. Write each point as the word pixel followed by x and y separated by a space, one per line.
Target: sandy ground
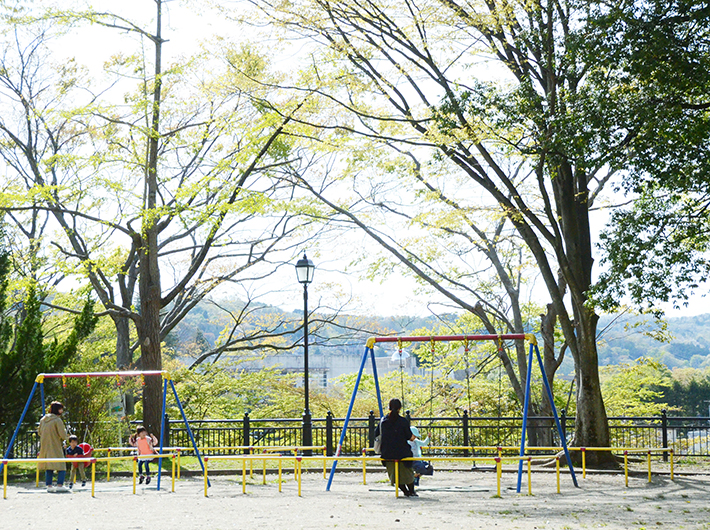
pixel 602 501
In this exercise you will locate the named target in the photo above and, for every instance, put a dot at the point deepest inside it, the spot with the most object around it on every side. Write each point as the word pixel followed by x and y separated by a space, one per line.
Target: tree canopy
pixel 656 248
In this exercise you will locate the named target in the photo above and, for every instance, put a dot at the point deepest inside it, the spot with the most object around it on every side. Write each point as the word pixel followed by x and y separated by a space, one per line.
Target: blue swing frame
pixel 370 352
pixel 39 381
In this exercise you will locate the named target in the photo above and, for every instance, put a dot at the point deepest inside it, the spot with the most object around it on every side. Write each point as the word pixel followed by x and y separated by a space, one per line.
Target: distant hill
pixel 622 339
pixel 627 339
pixel 200 330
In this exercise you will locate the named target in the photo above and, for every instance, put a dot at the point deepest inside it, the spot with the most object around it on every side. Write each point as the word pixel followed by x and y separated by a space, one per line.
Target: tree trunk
pixel 124 356
pixel 591 427
pixel 149 335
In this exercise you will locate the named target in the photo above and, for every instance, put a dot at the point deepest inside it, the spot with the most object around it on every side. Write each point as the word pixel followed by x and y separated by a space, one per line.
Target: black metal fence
pixel 687 436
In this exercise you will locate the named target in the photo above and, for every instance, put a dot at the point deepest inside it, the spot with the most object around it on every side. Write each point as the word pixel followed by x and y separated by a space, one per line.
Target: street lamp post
pixel 304 273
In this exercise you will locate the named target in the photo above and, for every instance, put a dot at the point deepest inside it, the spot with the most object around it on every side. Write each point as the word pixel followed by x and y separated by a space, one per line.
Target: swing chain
pixel 88 382
pixel 64 382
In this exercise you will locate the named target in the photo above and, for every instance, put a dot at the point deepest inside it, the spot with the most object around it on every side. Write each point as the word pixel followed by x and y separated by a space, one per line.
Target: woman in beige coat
pixel 51 435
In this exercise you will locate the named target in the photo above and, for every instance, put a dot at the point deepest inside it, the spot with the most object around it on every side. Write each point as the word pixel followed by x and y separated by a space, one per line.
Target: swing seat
pixel 88 452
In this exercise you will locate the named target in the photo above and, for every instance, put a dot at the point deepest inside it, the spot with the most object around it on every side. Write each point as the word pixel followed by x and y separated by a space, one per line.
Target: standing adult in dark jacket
pixel 395 435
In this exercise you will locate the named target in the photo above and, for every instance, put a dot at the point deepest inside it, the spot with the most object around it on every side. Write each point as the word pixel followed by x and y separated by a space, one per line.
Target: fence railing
pixel 688 436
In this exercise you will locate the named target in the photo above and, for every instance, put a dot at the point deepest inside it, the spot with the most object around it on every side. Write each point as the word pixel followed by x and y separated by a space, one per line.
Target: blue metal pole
pixel 189 430
pixel 557 418
pixel 347 418
pixel 162 429
pixel 19 424
pixel 377 381
pixel 525 417
pixel 41 396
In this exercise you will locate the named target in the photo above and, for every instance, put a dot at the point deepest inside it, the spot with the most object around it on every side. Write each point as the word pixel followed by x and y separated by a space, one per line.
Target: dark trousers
pixel 141 464
pixel 49 475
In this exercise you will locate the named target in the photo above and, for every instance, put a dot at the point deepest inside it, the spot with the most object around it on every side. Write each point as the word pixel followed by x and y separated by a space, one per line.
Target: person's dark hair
pixel 73 438
pixel 395 405
pixel 55 407
pixel 140 429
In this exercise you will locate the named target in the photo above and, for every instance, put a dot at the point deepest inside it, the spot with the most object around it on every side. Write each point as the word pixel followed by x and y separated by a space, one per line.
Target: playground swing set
pixel 533 353
pixel 167 381
pixel 368 354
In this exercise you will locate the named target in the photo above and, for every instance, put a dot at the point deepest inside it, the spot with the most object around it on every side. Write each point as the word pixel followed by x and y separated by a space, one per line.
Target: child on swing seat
pixel 145 442
pixel 419 467
pixel 74 451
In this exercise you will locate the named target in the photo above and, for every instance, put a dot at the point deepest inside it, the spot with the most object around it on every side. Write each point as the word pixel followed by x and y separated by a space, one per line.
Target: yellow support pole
pixel 108 466
pixel 626 468
pixel 37 477
pixel 205 460
pixel 178 463
pixel 135 467
pixel 4 479
pixel 295 464
pixel 649 467
pixel 173 474
pixel 325 455
pixel 499 472
pixel 298 464
pixel 244 475
pixel 396 479
pixel 671 464
pixel 364 468
pixel 263 470
pixel 280 466
pixel 93 476
pixel 557 469
pixel 584 462
pixel 251 463
pixel 529 476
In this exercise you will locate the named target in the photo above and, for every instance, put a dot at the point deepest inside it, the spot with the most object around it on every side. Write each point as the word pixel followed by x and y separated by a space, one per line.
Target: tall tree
pixel 475 86
pixel 173 175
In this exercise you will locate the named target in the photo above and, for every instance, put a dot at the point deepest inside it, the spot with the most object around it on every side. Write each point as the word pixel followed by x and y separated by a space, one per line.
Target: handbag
pixel 378 438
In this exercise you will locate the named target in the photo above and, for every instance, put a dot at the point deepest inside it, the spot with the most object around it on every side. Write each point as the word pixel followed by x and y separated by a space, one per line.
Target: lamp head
pixel 305 270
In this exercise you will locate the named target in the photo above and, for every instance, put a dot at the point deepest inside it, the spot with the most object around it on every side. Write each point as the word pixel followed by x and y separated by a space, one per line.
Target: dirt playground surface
pixel 448 500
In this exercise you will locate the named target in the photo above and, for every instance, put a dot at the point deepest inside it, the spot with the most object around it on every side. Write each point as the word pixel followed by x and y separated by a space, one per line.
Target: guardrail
pixel 298 461
pixel 92 460
pixel 687 436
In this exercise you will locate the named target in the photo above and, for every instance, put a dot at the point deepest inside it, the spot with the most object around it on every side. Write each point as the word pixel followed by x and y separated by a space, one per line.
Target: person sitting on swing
pixel 76 452
pixel 395 435
pixel 145 442
pixel 420 467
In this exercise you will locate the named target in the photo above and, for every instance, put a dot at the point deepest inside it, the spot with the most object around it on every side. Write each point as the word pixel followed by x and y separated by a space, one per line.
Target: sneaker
pixel 147 479
pixel 83 483
pixel 51 489
pixel 71 486
pixel 61 488
pixel 141 479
